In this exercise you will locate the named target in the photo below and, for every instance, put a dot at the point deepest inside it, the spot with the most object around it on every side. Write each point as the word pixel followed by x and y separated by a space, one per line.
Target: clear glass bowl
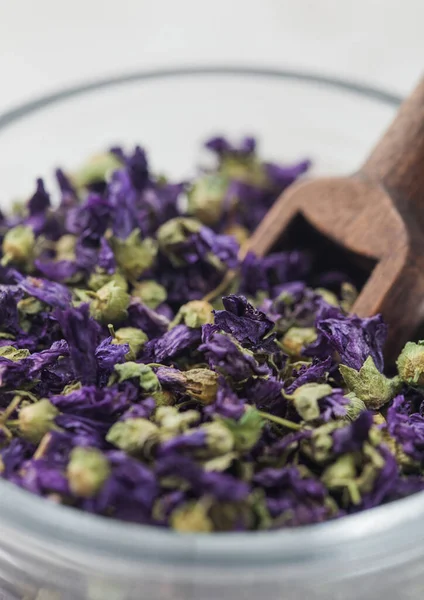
pixel 53 552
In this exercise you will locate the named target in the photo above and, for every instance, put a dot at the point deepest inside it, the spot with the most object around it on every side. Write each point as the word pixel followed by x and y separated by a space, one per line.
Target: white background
pixel 45 44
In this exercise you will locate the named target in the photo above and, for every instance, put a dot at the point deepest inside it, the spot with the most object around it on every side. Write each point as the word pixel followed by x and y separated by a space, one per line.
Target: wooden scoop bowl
pixel 378 213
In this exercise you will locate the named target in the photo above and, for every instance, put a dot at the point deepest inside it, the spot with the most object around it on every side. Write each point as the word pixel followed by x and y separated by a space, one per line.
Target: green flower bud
pixel 19 208
pixel 131 435
pixel 151 293
pixel 135 338
pixel 410 363
pixel 296 338
pixel 97 169
pixel 220 463
pixel 30 306
pixel 202 384
pixel 369 385
pixel 381 426
pixel 342 474
pixel 6 336
pixel 98 279
pixel 83 296
pixel 344 469
pixel 319 447
pixel 13 353
pixel 349 294
pixel 87 471
pixel 247 169
pixel 258 505
pixel 354 408
pixel 18 245
pixel 145 375
pixel 206 197
pixel 191 517
pixel 173 233
pixel 35 420
pixel 194 314
pixel 134 255
pixel 71 387
pixel 228 516
pixel 164 398
pixel 305 399
pixel 285 298
pixel 172 422
pixel 247 430
pixel 65 247
pixel 327 296
pixel 110 304
pixel 219 439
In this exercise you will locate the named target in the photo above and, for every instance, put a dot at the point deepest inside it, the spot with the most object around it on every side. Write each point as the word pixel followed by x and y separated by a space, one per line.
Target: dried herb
pixel 131 388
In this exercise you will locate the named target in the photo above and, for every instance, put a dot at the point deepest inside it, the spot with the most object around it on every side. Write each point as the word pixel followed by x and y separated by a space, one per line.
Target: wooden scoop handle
pixel 397 162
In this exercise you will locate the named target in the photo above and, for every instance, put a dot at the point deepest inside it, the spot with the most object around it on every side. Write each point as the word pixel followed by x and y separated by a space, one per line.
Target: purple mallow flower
pixel 152 372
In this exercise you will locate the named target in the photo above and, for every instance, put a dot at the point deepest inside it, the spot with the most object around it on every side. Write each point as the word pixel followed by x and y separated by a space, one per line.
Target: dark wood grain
pixel 377 212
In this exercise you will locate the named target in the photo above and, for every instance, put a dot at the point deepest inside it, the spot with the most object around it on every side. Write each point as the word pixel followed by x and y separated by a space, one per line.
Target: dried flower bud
pixel 83 296
pixel 191 517
pixel 327 296
pixel 296 338
pixel 13 353
pixel 71 387
pixel 320 445
pixel 219 439
pixel 219 463
pixel 97 169
pixel 6 336
pixel 369 385
pixel 145 375
pixel 151 293
pixel 98 279
pixel 202 384
pixel 134 255
pixel 131 435
pixel 35 420
pixel 410 363
pixel 18 245
pixel 110 304
pixel 164 398
pixel 342 474
pixel 230 516
pixel 247 430
pixel 173 233
pixel 194 314
pixel 305 399
pixel 354 408
pixel 135 338
pixel 172 422
pixel 18 208
pixel 30 306
pixel 65 247
pixel 349 294
pixel 87 471
pixel 206 197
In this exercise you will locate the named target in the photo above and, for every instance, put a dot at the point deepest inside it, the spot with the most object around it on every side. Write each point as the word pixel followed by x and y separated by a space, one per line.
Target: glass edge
pixel 68 526
pixel 20 111
pixel 66 529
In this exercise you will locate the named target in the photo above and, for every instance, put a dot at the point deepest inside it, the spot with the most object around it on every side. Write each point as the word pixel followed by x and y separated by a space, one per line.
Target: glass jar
pixel 51 552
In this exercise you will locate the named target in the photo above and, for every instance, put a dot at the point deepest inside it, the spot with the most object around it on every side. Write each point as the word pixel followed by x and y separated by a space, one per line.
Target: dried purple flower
pixel 130 389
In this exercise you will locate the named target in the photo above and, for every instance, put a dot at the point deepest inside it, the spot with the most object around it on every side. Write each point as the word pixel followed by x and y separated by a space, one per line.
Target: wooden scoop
pixel 378 213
